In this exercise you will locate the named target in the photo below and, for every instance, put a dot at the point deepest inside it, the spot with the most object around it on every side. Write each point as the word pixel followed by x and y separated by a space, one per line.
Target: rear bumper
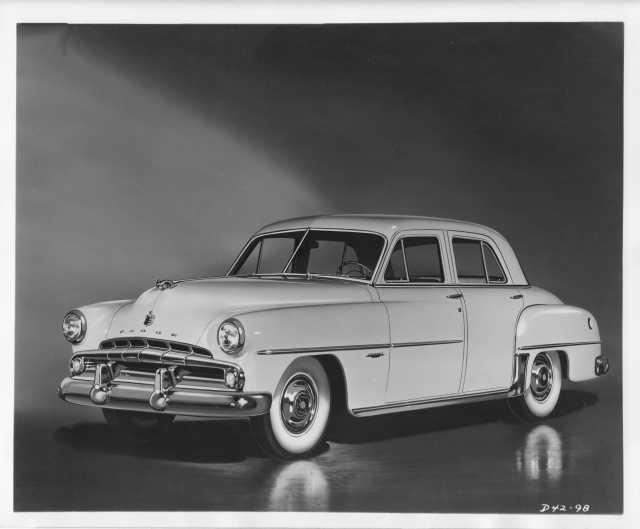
pixel 601 365
pixel 124 395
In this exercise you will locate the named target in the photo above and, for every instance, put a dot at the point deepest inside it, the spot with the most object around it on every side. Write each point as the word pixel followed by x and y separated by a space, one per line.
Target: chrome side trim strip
pixel 329 348
pixel 554 345
pixel 418 344
pixel 432 402
pixel 301 350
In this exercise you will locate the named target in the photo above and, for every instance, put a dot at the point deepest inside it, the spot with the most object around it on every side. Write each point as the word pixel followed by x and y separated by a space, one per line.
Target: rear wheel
pixel 139 424
pixel 297 420
pixel 540 398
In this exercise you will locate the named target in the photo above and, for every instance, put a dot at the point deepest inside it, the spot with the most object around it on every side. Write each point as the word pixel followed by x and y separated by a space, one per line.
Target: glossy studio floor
pixel 467 458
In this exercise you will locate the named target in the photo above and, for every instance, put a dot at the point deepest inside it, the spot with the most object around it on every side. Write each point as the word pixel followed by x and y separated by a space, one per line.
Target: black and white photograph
pixel 356 267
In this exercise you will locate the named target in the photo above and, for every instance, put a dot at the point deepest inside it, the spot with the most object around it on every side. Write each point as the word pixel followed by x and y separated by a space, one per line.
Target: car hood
pixel 183 313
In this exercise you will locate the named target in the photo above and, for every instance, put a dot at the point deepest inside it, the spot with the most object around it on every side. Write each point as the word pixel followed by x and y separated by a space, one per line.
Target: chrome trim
pixel 429 403
pixel 485 245
pixel 152 343
pixel 306 229
pixel 555 345
pixel 301 350
pixel 125 395
pixel 451 234
pixel 329 348
pixel 83 326
pixel 541 377
pixel 419 344
pixel 241 335
pixel 399 237
pixel 299 403
pixel 164 284
pixel 295 250
pixel 148 355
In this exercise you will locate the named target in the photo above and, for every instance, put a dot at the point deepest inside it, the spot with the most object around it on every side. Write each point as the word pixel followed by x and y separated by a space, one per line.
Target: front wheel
pixel 540 398
pixel 297 420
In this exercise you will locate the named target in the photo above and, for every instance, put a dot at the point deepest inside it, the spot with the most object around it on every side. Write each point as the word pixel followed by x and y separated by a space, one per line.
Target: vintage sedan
pixel 367 314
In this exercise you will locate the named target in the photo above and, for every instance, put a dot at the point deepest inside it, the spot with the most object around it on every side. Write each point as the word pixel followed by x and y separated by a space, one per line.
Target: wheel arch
pixel 337 381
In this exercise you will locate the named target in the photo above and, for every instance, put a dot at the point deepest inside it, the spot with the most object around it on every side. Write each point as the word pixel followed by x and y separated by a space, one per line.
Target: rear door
pixel 491 306
pixel 426 320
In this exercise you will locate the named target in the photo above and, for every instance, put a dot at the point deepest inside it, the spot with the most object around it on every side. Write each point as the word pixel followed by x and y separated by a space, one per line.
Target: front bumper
pixel 155 381
pixel 137 397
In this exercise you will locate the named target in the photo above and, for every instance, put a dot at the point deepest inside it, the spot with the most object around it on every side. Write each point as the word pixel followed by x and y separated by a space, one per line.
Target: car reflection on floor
pixel 299 486
pixel 540 458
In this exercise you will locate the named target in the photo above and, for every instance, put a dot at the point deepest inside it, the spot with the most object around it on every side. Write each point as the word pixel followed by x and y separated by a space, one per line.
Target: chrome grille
pixel 154 343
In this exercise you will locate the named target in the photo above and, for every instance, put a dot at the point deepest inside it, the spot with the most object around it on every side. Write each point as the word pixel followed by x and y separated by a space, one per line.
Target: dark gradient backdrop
pixel 149 151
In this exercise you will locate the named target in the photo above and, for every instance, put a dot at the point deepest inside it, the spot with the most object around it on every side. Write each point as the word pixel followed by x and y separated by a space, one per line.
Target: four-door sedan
pixel 369 313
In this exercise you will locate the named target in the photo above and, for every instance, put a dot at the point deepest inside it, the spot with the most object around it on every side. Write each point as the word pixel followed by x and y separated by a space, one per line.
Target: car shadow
pixel 348 429
pixel 183 440
pixel 232 441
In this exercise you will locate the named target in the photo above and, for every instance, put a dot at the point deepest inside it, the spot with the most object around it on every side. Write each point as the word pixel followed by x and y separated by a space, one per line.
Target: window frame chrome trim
pixel 496 249
pixel 399 236
pixel 483 245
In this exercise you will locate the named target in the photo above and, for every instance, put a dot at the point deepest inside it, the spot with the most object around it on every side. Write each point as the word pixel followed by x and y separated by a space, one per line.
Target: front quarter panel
pixel 348 331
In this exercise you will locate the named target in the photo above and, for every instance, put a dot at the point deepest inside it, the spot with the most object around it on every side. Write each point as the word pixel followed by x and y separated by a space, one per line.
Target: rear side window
pixel 419 257
pixel 476 262
pixel 495 273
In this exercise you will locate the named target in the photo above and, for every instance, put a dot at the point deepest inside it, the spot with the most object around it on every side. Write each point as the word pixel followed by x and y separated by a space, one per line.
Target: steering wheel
pixel 359 272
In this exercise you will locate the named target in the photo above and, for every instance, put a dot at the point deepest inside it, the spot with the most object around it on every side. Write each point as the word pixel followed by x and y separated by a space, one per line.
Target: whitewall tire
pixel 297 420
pixel 542 394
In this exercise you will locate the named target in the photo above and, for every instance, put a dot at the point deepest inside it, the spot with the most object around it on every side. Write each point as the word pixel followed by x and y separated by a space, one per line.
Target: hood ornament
pixel 164 284
pixel 149 318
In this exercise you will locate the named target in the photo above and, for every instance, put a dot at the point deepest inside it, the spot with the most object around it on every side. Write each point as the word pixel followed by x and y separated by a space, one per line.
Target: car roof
pixel 385 224
pixel 389 225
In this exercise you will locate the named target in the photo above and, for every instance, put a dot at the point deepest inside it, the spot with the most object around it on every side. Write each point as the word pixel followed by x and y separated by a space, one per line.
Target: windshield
pixel 351 255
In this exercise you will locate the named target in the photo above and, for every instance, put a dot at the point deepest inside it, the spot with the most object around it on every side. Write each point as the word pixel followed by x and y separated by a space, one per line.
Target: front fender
pixel 348 331
pixel 99 317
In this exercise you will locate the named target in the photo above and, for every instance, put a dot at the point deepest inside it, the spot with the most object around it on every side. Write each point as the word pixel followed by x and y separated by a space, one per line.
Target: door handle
pixel 517 296
pixel 374 355
pixel 454 296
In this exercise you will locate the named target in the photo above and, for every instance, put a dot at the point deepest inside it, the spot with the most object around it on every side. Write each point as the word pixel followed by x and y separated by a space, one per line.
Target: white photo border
pixel 267 12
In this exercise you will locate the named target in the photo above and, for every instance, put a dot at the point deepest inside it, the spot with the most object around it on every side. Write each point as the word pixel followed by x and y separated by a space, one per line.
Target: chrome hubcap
pixel 298 404
pixel 541 377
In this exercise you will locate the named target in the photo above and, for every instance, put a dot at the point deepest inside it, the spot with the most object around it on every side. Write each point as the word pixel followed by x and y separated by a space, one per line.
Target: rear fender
pixel 571 331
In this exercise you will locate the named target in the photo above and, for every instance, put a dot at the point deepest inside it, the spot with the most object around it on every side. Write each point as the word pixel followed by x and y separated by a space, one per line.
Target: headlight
pixel 231 336
pixel 74 326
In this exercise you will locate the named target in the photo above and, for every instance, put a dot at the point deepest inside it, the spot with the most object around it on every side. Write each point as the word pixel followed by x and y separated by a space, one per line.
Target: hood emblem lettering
pixel 148 319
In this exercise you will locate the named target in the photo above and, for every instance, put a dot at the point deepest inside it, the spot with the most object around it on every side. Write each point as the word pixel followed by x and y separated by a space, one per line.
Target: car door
pixel 492 306
pixel 426 320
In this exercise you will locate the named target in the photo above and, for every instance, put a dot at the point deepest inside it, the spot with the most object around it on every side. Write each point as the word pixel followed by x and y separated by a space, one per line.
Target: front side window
pixel 476 262
pixel 351 255
pixel 416 260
